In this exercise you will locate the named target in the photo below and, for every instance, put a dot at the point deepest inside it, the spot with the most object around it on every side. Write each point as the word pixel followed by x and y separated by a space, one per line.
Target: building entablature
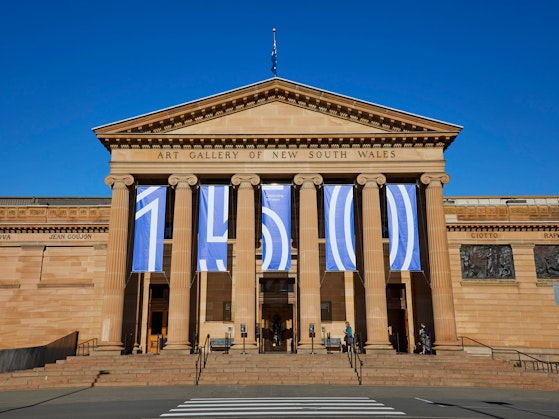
pixel 272 140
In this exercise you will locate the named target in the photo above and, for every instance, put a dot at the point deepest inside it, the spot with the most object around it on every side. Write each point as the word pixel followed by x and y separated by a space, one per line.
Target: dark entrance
pixel 397 316
pixel 276 315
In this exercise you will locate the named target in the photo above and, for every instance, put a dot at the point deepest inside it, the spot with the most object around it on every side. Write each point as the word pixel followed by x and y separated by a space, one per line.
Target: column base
pixel 448 348
pixel 108 348
pixel 176 349
pixel 384 347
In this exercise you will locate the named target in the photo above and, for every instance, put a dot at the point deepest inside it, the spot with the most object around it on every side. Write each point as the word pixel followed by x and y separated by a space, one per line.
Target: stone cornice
pixel 496 227
pixel 319 140
pixel 54 228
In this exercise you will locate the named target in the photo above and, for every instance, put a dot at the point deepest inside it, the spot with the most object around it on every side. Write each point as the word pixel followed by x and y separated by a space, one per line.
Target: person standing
pixel 349 335
pixel 425 338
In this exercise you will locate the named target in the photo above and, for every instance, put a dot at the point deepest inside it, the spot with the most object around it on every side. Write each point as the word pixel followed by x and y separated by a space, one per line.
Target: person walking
pixel 425 338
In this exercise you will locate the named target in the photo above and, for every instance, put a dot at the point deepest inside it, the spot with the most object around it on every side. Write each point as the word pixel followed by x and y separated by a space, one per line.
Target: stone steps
pixel 386 369
pixel 452 371
pixel 278 369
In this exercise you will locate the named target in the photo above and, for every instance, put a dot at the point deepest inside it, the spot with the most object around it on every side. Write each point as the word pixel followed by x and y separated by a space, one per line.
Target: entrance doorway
pixel 276 313
pixel 277 328
pixel 158 317
pixel 397 316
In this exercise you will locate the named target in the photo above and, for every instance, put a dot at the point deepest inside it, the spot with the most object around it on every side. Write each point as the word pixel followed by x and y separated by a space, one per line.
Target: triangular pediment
pixel 274 107
pixel 276 118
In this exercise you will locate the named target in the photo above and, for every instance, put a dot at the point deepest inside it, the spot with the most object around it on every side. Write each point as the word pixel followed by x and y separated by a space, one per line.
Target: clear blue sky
pixel 491 66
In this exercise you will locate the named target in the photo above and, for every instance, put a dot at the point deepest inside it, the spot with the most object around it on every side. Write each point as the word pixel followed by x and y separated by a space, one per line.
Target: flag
pixel 402 228
pixel 340 237
pixel 213 228
pixel 275 57
pixel 276 227
pixel 149 229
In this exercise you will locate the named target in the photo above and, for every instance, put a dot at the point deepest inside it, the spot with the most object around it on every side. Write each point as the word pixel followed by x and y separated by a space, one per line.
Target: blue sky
pixel 489 66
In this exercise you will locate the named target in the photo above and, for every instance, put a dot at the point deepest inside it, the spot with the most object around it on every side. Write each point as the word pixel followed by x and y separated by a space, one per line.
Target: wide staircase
pixel 389 369
pixel 278 369
pixel 456 370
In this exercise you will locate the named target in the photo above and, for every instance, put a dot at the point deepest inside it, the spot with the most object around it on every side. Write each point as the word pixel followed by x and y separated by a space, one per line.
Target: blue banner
pixel 340 237
pixel 402 228
pixel 276 227
pixel 149 229
pixel 213 228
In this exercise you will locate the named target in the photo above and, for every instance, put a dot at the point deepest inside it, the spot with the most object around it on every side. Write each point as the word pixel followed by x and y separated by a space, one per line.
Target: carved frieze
pixel 546 258
pixel 487 261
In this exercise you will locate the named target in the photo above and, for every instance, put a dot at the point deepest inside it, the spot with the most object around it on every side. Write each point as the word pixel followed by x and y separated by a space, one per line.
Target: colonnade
pixel 244 290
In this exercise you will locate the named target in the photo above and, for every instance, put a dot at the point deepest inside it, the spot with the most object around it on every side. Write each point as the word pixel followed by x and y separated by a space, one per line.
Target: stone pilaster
pixel 439 263
pixel 181 259
pixel 115 270
pixel 309 262
pixel 373 263
pixel 245 272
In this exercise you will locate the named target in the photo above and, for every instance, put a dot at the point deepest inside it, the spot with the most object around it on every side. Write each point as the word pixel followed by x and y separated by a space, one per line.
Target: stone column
pixel 309 262
pixel 373 263
pixel 245 272
pixel 181 272
pixel 115 268
pixel 439 263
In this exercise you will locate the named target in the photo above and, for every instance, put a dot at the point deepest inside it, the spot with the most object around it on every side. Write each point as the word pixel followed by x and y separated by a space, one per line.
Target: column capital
pixel 244 178
pixel 181 181
pixel 119 181
pixel 428 178
pixel 365 179
pixel 301 178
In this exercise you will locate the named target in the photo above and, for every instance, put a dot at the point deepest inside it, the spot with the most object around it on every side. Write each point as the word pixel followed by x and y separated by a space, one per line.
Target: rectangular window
pixel 227 311
pixel 326 311
pixel 486 261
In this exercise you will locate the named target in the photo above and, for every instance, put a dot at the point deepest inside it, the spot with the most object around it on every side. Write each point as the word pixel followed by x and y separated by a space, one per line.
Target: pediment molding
pixel 156 127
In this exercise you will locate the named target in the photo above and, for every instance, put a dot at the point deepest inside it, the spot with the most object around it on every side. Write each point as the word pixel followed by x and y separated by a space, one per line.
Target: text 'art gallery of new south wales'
pixel 269 216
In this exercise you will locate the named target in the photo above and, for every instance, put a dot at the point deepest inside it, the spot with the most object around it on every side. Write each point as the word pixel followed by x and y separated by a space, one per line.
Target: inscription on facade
pixel 551 235
pixel 485 236
pixel 70 236
pixel 53 236
pixel 282 155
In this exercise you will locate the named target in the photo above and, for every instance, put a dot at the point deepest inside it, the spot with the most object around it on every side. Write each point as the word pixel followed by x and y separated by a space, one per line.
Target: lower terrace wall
pixel 50 291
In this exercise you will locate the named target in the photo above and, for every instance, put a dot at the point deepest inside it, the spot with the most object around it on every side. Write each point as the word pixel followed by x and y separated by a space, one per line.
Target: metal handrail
pixel 353 357
pixel 535 363
pixel 87 344
pixel 202 359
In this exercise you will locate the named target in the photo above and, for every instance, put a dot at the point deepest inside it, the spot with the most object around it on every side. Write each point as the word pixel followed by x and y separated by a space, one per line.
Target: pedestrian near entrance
pixel 348 337
pixel 425 338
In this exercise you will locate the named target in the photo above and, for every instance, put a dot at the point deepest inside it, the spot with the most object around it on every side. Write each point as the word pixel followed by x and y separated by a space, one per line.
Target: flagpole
pixel 274 55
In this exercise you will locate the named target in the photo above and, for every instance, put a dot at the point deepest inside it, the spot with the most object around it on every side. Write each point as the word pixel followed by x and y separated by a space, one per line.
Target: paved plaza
pixel 277 401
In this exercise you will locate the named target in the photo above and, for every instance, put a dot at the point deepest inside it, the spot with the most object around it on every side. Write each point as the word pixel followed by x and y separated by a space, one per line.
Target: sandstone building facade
pixel 489 265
